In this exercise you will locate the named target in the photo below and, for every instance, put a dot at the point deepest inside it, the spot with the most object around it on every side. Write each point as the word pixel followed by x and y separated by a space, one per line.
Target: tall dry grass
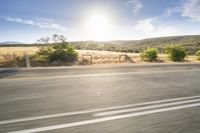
pixel 18 50
pixel 95 57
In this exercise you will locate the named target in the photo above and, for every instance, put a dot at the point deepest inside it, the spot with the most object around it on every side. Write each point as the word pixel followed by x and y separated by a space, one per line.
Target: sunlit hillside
pixel 191 43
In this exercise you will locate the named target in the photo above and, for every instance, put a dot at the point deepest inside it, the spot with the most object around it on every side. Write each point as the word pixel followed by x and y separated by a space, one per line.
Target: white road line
pixel 90 75
pixel 143 108
pixel 92 121
pixel 93 110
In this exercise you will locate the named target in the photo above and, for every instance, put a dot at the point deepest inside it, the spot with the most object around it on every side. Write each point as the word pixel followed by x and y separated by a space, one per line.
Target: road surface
pixel 121 99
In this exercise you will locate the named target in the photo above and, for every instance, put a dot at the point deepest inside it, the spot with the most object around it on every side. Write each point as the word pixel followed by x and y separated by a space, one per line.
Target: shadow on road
pixel 7 73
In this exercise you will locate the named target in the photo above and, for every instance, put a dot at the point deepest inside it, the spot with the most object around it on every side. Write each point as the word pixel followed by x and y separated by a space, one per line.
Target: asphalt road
pixel 109 99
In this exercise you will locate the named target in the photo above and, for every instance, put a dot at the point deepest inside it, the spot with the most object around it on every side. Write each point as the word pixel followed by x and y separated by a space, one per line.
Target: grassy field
pixel 89 56
pixel 18 50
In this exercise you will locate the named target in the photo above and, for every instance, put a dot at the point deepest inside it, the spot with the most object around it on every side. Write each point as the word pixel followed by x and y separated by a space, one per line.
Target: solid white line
pixel 92 121
pixel 143 108
pixel 110 66
pixel 94 75
pixel 93 110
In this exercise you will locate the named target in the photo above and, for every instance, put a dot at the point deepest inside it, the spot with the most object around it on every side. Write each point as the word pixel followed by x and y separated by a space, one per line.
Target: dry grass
pixel 18 50
pixel 94 57
pixel 99 57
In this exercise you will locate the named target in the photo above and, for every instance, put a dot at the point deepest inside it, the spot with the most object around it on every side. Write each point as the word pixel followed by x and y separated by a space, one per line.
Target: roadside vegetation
pixel 175 52
pixel 51 52
pixel 198 55
pixel 149 54
pixel 56 51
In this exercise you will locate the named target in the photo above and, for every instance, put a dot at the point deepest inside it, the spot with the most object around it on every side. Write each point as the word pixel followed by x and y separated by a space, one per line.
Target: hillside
pixel 10 42
pixel 191 43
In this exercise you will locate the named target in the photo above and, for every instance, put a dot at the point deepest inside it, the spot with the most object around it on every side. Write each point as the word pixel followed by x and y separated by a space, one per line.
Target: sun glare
pixel 98 26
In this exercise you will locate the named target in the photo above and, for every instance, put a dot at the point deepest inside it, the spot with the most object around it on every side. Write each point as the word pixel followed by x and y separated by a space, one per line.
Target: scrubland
pixel 9 54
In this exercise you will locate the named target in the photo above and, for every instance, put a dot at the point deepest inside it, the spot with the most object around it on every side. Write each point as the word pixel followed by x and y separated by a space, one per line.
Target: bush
pixel 65 53
pixel 150 54
pixel 44 53
pixel 58 51
pixel 175 53
pixel 198 54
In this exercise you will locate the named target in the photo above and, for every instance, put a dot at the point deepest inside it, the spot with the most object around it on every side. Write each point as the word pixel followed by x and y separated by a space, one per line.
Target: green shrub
pixel 175 53
pixel 150 54
pixel 198 54
pixel 44 53
pixel 64 53
pixel 58 51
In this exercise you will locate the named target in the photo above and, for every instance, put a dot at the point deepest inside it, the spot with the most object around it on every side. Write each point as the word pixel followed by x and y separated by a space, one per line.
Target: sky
pixel 101 20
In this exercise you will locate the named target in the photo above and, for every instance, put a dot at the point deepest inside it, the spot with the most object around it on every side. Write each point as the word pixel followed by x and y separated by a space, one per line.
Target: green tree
pixel 198 54
pixel 175 52
pixel 149 54
pixel 58 50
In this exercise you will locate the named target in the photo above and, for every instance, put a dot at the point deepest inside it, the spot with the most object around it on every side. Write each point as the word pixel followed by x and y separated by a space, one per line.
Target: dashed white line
pixel 93 110
pixel 145 107
pixel 92 121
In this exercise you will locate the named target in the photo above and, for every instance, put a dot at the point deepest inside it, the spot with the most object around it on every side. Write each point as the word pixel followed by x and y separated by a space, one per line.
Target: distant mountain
pixel 11 42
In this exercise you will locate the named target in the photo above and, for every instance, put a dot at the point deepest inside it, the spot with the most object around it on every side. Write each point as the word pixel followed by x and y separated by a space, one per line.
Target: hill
pixel 190 42
pixel 10 42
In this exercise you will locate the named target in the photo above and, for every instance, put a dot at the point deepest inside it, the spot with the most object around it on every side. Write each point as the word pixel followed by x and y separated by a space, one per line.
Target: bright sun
pixel 98 26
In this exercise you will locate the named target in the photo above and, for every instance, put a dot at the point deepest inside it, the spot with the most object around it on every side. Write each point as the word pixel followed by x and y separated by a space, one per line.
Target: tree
pixel 175 52
pixel 44 40
pixel 58 50
pixel 149 54
pixel 198 54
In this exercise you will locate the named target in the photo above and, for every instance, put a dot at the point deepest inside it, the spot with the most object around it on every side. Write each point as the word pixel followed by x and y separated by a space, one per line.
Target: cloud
pixel 135 6
pixel 167 30
pixel 145 25
pixel 191 9
pixel 152 28
pixel 38 23
pixel 187 8
pixel 172 10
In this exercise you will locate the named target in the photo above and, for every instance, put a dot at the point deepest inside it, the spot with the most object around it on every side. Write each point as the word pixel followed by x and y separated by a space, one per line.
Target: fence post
pixel 87 55
pixel 123 55
pixel 27 60
pixel 14 60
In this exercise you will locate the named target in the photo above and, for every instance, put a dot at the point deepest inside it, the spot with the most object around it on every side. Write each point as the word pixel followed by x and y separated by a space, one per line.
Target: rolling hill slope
pixel 190 42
